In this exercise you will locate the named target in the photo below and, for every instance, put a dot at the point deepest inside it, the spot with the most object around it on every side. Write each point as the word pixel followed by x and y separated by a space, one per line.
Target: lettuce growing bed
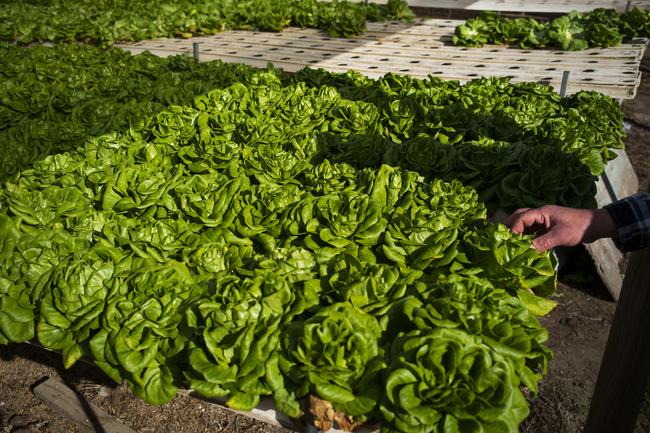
pixel 518 145
pixel 103 22
pixel 313 238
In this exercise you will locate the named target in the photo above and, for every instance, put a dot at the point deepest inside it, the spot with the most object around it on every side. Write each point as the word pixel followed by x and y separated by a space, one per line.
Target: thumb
pixel 546 241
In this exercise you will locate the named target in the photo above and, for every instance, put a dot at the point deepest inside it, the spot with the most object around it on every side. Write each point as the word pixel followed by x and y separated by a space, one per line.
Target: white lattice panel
pixel 417 49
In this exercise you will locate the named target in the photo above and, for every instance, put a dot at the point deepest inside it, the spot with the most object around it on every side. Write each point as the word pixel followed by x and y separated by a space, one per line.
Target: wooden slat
pixel 418 49
pixel 446 67
pixel 318 47
pixel 65 401
pixel 615 91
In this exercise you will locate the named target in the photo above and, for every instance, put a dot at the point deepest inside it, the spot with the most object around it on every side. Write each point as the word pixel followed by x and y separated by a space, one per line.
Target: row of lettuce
pixel 575 31
pixel 106 21
pixel 315 234
pixel 517 144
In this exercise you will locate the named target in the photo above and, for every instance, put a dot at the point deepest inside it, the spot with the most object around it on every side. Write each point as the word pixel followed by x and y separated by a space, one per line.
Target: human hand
pixel 561 226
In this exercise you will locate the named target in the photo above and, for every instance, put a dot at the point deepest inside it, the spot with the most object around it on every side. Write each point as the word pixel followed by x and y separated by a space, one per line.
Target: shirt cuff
pixel 631 216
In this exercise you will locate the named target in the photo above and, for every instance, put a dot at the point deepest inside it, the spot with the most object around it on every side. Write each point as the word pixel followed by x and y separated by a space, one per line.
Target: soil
pixel 578 330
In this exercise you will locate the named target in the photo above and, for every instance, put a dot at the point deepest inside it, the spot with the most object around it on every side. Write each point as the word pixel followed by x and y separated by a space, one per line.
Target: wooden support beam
pixel 625 367
pixel 73 406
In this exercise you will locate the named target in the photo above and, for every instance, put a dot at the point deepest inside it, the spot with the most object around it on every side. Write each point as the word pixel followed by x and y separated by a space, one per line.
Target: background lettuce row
pixel 495 136
pixel 103 22
pixel 106 21
pixel 574 31
pixel 218 246
pixel 53 99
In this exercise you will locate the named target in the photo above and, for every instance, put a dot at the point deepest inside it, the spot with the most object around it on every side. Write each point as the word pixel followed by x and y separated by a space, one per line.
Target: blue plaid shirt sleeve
pixel 632 217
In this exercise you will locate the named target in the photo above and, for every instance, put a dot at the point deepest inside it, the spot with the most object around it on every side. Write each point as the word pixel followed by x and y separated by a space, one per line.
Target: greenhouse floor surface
pixel 578 329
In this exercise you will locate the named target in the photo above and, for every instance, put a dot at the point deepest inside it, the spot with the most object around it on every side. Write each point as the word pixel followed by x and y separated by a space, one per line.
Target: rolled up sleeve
pixel 632 217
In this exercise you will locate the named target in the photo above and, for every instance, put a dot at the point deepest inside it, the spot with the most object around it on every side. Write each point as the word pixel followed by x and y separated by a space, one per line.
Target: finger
pixel 547 241
pixel 527 219
pixel 508 222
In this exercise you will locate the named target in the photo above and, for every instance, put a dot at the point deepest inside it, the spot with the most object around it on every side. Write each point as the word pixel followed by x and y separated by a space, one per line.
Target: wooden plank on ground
pixel 68 403
pixel 418 49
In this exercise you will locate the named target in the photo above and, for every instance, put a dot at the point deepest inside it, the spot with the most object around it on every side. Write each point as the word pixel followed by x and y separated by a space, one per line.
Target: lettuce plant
pixel 446 380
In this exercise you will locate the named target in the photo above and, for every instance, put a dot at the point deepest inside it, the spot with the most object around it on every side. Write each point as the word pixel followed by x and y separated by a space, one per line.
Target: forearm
pixel 602 226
